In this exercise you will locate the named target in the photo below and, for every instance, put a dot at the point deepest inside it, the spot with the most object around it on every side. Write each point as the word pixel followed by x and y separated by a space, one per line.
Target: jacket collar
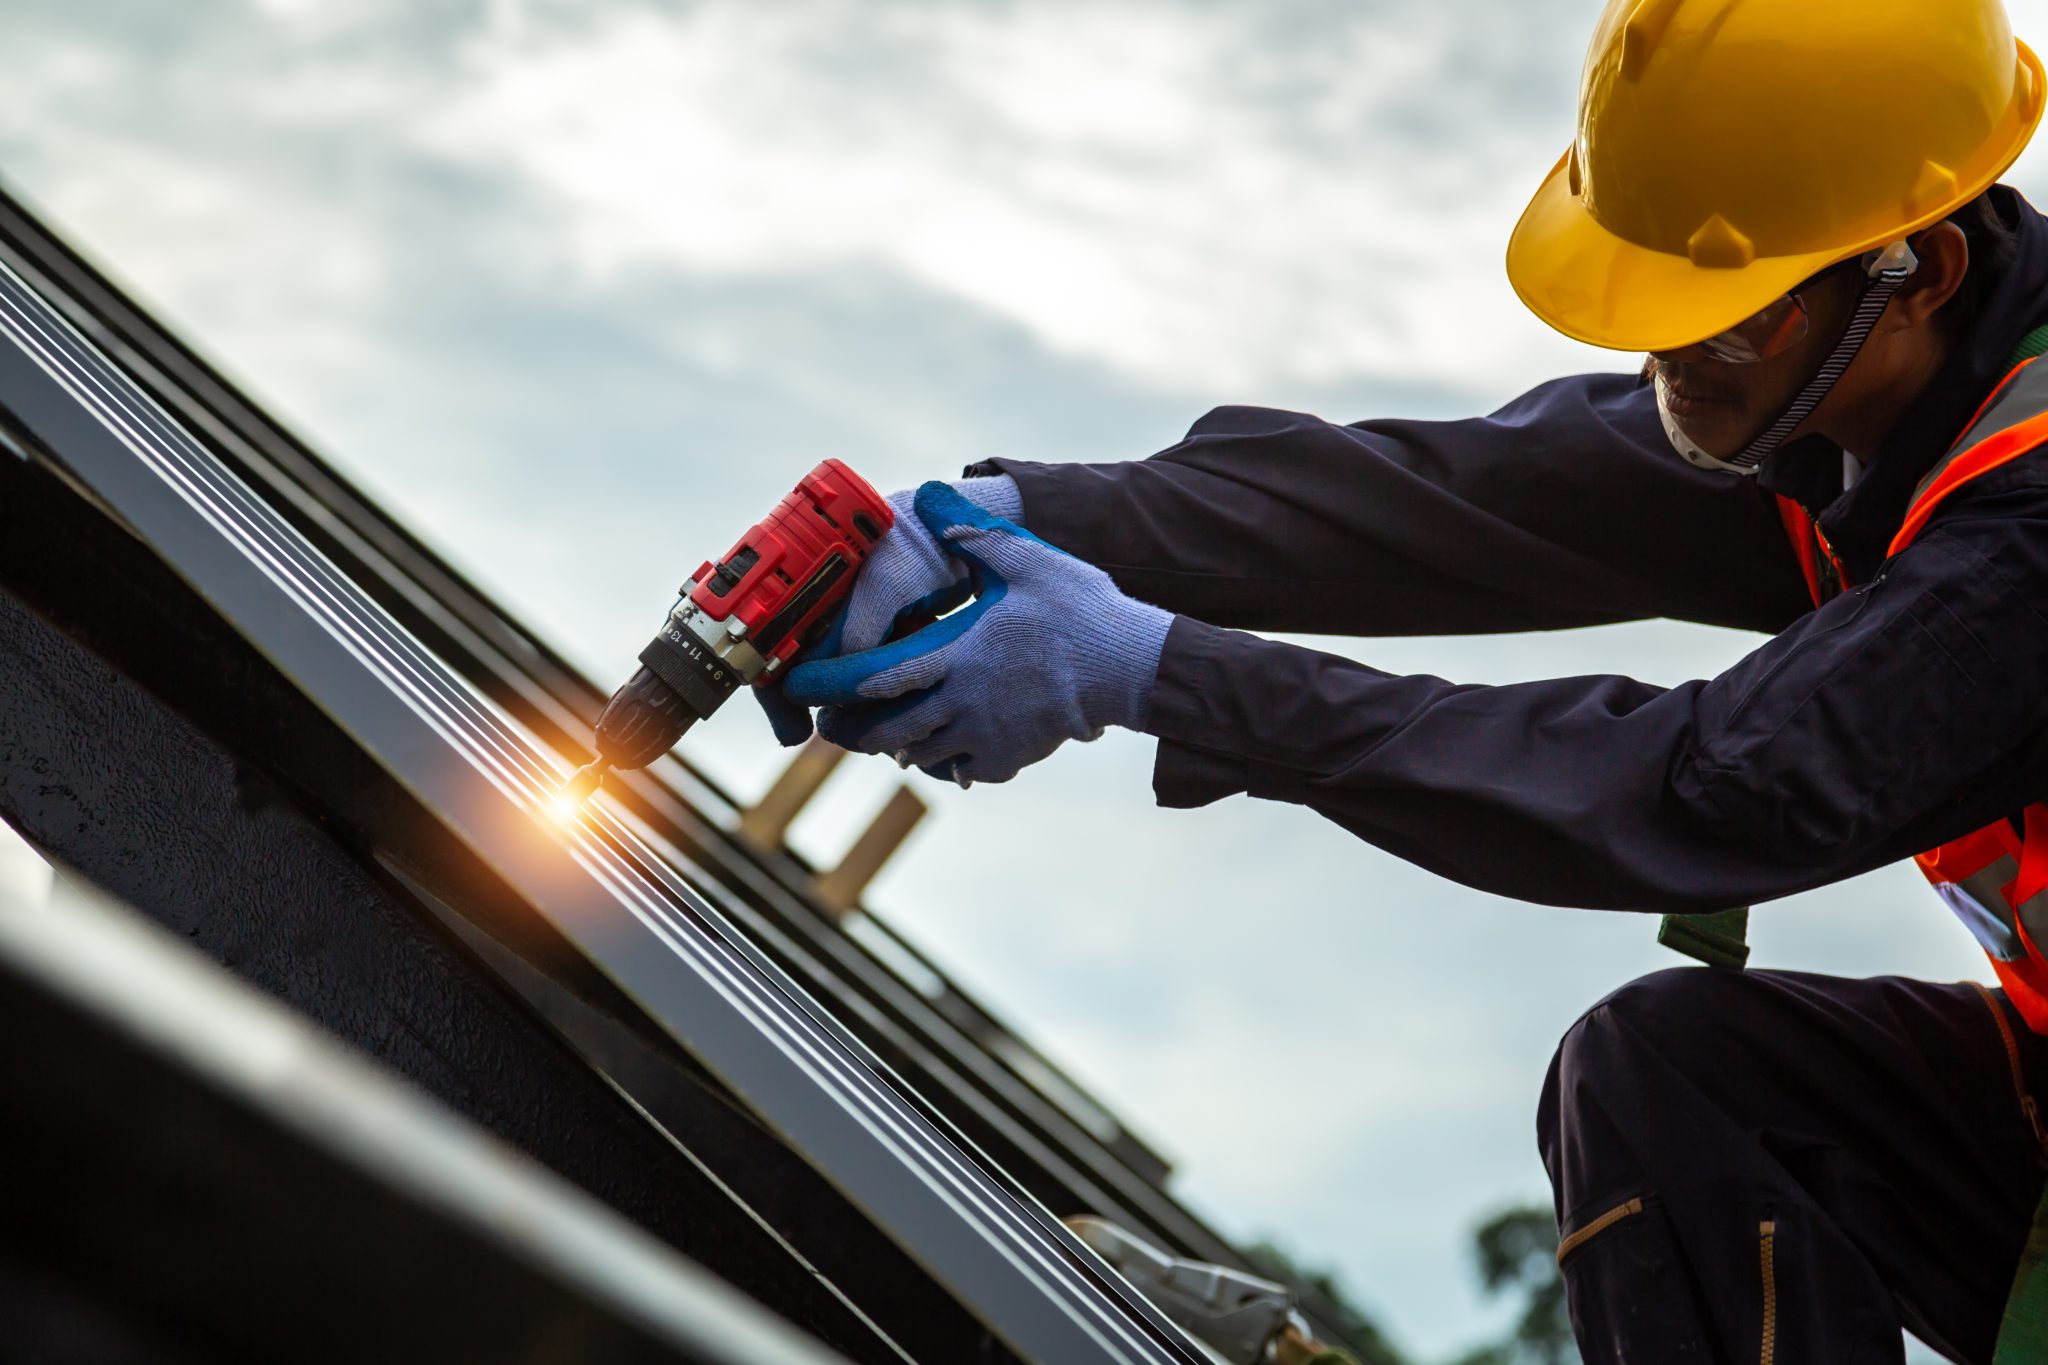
pixel 1860 522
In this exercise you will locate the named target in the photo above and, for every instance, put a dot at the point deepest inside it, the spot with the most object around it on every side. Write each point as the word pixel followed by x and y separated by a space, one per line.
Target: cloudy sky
pixel 530 271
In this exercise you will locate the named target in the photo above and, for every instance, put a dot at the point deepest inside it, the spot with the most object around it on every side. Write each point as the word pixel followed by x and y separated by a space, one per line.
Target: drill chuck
pixel 642 721
pixel 686 673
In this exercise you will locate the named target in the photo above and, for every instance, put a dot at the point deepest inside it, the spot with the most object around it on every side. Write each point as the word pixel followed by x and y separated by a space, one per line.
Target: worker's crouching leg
pixel 1684 1238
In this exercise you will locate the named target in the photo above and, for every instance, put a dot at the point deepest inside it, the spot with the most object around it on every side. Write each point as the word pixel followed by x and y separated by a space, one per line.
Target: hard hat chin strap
pixel 1886 276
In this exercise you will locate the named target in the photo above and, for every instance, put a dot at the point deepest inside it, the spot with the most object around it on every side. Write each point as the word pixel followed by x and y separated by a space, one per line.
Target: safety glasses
pixel 1771 330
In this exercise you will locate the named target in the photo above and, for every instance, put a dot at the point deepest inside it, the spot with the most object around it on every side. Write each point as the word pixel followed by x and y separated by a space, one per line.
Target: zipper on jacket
pixel 2012 1058
pixel 1586 1232
pixel 1766 1242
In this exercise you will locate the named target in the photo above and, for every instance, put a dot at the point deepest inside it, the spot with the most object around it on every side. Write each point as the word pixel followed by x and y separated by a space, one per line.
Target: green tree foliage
pixel 1517 1254
pixel 1324 1299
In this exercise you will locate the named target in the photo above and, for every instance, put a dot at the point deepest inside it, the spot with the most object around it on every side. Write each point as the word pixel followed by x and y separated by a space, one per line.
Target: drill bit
pixel 584 782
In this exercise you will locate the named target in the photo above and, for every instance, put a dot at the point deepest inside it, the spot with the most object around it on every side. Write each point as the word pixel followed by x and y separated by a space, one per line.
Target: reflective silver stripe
pixel 1979 902
pixel 1979 899
pixel 2025 397
pixel 1988 883
pixel 2033 913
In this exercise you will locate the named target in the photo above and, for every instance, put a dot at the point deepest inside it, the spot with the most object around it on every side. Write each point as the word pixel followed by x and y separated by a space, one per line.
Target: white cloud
pixel 1117 179
pixel 520 267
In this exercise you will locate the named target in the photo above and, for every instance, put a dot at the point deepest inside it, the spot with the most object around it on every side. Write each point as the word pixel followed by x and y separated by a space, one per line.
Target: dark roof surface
pixel 648 936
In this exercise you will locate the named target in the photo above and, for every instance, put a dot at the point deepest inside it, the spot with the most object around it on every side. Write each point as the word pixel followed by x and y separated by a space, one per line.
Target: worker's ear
pixel 1944 254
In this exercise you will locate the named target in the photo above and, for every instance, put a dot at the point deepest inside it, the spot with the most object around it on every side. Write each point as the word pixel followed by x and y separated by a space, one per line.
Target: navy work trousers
pixel 1779 1167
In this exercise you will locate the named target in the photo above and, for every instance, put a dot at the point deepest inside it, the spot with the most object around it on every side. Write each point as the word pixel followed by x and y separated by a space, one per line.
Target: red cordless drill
pixel 741 620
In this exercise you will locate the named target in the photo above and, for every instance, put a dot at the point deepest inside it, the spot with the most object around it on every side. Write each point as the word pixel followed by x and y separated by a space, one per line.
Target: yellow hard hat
pixel 1729 149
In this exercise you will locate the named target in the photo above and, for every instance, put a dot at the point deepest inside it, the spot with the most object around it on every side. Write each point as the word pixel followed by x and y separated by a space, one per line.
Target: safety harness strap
pixel 2023 1331
pixel 1720 939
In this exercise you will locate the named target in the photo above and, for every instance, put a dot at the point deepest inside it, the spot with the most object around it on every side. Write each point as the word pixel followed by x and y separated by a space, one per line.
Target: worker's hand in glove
pixel 907 575
pixel 1048 651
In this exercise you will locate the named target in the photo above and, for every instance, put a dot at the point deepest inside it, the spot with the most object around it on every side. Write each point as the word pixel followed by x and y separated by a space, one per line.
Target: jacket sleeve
pixel 1565 508
pixel 1897 717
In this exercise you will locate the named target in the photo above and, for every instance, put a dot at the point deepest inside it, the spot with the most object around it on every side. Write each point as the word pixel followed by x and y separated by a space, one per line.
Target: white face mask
pixel 1885 272
pixel 1685 445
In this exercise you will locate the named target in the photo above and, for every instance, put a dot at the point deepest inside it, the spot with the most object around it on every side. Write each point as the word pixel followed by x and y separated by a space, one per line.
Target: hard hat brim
pixel 1601 289
pixel 1606 291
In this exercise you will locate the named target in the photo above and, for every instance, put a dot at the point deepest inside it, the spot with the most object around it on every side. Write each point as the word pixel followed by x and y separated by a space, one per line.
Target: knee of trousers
pixel 1603 1056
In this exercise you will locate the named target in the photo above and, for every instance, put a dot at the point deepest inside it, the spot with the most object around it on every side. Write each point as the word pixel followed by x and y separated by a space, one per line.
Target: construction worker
pixel 1792 207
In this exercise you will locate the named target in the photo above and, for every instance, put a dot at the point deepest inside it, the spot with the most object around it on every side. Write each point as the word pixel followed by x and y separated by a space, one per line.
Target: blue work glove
pixel 1048 651
pixel 907 574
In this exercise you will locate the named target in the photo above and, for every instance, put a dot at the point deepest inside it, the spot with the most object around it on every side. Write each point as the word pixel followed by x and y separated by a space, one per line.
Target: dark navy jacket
pixel 1902 714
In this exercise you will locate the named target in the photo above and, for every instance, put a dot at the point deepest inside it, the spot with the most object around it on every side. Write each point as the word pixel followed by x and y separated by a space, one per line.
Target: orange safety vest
pixel 1996 879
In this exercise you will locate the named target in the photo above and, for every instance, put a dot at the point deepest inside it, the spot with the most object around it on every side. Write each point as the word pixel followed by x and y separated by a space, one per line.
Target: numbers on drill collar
pixel 728 658
pixel 714 669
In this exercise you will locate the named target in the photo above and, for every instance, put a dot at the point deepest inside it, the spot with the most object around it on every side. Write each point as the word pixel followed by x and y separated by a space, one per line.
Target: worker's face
pixel 1722 405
